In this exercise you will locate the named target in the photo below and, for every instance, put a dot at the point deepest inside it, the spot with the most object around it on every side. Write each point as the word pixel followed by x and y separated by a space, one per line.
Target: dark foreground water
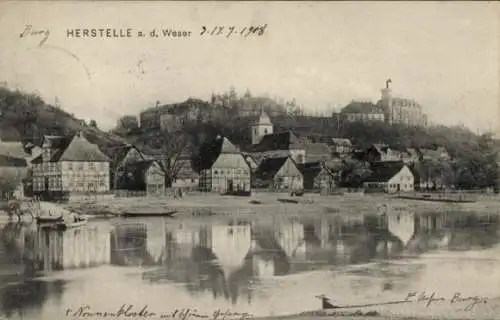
pixel 266 266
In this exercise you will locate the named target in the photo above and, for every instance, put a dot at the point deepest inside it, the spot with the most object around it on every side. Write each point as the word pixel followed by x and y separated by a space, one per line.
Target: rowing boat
pixel 69 225
pixel 148 214
pixel 49 219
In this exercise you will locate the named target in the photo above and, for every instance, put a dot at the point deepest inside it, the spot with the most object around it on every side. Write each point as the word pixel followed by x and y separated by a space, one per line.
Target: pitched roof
pixel 210 151
pixel 278 141
pixel 384 171
pixel 317 151
pixel 268 168
pixel 263 119
pixel 80 149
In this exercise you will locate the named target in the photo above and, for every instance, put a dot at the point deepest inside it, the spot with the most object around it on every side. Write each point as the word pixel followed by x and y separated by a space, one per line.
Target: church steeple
pixel 261 127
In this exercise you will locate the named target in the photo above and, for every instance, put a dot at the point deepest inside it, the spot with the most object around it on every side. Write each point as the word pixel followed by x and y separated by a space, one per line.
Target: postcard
pixel 228 160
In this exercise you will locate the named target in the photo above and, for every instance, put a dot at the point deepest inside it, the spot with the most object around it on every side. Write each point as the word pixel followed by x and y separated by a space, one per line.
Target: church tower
pixel 386 101
pixel 261 127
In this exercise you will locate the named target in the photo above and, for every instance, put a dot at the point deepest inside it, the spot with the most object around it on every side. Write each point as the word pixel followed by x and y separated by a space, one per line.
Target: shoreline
pixel 206 205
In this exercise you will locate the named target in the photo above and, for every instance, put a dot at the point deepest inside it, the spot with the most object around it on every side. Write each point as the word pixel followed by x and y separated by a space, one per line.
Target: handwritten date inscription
pixel 229 31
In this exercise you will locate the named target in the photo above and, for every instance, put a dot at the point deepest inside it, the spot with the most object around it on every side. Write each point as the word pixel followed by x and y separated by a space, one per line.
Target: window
pixel 80 166
pixel 216 172
pixel 265 131
pixel 91 165
pixel 70 165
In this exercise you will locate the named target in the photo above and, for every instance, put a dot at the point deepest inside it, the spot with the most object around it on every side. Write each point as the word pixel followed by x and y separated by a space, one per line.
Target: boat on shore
pixel 288 201
pixel 449 198
pixel 71 224
pixel 139 214
pixel 49 219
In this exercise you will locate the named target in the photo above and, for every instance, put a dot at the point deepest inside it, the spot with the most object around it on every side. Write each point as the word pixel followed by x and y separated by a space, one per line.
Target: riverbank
pixel 199 204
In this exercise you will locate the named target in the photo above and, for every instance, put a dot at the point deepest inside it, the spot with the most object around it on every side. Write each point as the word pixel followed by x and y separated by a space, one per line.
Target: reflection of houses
pixel 222 167
pixel 145 175
pixel 49 250
pixel 230 245
pixel 279 174
pixel 129 246
pixel 70 165
pixel 390 177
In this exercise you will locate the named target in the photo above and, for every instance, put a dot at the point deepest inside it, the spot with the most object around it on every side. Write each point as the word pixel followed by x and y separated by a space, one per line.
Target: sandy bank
pixel 268 203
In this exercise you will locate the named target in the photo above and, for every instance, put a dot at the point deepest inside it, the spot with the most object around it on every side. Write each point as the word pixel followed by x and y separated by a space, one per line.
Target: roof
pixel 263 119
pixel 77 148
pixel 362 107
pixel 341 141
pixel 80 149
pixel 278 141
pixel 269 167
pixel 384 171
pixel 210 151
pixel 317 148
pixel 117 154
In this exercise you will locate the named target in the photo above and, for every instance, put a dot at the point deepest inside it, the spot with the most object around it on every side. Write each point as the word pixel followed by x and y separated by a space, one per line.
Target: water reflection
pixel 232 261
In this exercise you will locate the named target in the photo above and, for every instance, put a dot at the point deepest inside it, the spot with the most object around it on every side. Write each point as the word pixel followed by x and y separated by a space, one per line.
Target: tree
pixel 126 124
pixel 175 148
pixel 93 123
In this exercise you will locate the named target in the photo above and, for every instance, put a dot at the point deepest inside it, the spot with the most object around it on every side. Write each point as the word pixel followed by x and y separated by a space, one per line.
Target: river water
pixel 266 266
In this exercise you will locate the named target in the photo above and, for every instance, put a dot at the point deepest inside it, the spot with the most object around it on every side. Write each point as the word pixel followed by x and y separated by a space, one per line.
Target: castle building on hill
pixel 401 110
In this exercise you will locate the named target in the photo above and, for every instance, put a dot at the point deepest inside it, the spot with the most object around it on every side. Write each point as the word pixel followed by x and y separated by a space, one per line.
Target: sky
pixel 445 55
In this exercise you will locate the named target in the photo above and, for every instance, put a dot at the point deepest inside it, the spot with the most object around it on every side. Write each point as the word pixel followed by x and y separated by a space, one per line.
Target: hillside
pixel 26 117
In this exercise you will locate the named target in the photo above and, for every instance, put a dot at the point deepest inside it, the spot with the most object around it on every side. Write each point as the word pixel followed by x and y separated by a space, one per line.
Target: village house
pixel 141 176
pixel 390 177
pixel 70 165
pixel 122 156
pixel 317 176
pixel 279 174
pixel 252 162
pixel 340 146
pixel 438 154
pixel 381 152
pixel 279 145
pixel 185 176
pixel 222 168
pixel 317 152
pixel 13 169
pixel 410 156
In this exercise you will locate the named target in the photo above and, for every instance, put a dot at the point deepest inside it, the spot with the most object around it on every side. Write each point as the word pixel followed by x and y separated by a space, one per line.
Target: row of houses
pixel 277 161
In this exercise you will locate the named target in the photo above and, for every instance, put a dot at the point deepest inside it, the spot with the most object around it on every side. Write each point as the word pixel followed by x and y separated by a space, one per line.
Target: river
pixel 444 264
